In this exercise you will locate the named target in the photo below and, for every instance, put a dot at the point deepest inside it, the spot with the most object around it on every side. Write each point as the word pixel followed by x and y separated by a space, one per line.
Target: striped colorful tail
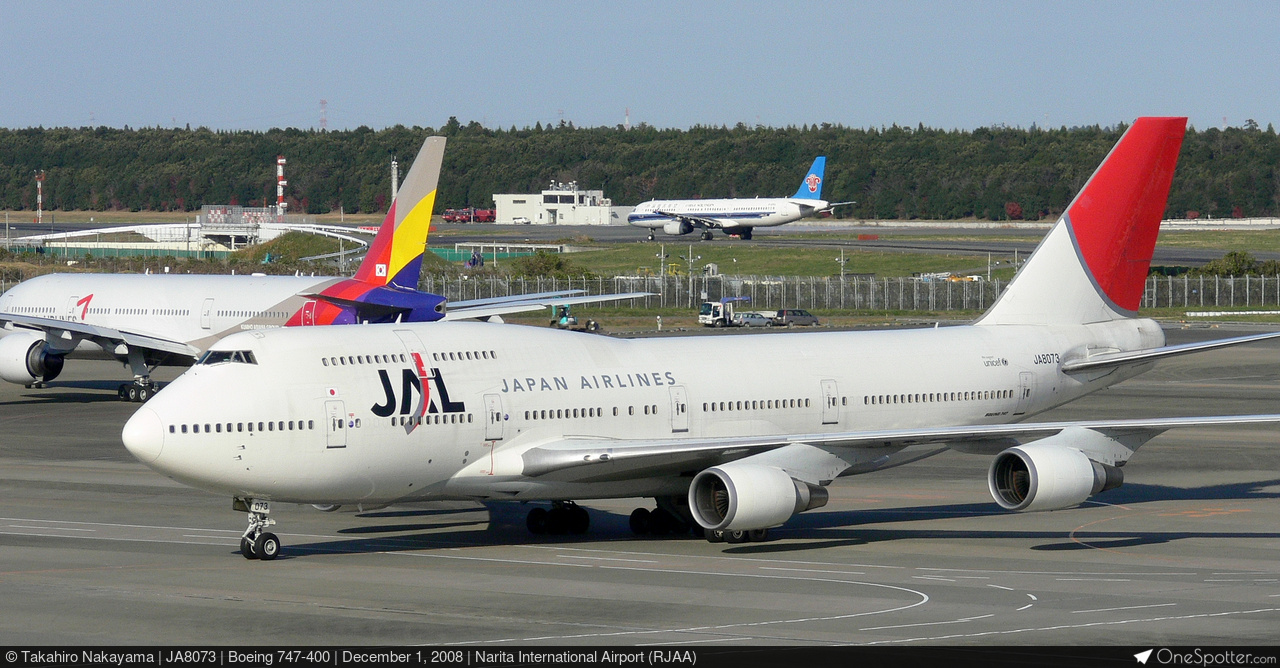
pixel 395 256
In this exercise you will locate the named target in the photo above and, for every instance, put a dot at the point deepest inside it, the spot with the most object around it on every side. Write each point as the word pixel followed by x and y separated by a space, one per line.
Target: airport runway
pixel 95 548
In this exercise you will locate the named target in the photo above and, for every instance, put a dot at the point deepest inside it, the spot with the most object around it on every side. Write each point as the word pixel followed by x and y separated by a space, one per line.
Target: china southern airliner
pixel 738 216
pixel 394 413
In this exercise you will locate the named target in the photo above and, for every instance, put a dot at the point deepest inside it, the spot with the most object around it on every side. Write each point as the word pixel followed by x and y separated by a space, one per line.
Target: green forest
pixel 995 173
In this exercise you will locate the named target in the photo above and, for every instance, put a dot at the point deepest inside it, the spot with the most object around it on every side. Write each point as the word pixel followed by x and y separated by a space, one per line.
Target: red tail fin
pixel 1116 217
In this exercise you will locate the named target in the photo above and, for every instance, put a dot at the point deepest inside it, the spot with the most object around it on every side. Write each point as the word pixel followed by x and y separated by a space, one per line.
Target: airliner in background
pixel 147 320
pixel 408 412
pixel 735 216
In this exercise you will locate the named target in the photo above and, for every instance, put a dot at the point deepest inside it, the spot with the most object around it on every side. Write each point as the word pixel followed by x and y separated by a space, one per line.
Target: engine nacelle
pixel 744 496
pixel 677 226
pixel 24 359
pixel 1047 476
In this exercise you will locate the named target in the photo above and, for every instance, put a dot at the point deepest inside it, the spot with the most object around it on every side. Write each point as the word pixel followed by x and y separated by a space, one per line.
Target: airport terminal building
pixel 560 204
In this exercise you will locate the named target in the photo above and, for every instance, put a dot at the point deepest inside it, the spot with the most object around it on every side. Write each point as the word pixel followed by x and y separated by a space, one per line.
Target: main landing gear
pixel 256 543
pixel 142 388
pixel 139 391
pixel 706 235
pixel 736 536
pixel 563 517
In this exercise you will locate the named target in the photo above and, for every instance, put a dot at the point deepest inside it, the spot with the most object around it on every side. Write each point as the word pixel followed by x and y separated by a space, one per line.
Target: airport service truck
pixel 719 314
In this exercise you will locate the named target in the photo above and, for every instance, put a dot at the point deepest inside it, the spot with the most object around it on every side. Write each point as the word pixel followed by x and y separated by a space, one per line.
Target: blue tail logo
pixel 811 187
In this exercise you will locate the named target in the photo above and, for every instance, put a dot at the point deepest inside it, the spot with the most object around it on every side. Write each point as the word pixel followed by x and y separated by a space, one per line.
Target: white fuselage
pixel 728 213
pixel 324 427
pixel 192 309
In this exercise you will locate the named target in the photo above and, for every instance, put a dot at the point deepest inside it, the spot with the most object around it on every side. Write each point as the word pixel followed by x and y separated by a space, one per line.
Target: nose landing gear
pixel 256 542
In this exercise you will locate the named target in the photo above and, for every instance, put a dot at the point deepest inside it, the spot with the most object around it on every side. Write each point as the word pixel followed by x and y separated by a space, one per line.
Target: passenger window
pixel 171 429
pixel 218 428
pixel 631 410
pixel 324 361
pixel 259 426
pixel 311 424
pixel 615 411
pixel 184 428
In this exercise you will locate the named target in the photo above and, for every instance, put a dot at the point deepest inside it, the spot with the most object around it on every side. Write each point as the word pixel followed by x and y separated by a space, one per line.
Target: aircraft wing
pixel 584 459
pixel 480 308
pixel 70 329
pixel 1115 359
pixel 698 221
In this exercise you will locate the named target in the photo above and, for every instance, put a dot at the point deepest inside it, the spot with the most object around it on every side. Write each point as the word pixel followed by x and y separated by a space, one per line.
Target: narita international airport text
pixel 468 657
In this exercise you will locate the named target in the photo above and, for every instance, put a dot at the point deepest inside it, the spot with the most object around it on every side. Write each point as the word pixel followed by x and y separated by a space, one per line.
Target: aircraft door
pixel 1026 387
pixel 830 402
pixel 336 431
pixel 206 314
pixel 71 307
pixel 679 409
pixel 493 417
pixel 309 313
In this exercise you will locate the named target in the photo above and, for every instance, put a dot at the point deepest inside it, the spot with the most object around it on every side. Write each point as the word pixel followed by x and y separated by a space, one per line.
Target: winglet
pixel 811 186
pixel 395 256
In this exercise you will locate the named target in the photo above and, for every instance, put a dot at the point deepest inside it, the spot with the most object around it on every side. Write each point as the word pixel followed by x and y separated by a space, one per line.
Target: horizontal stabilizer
pixel 1115 359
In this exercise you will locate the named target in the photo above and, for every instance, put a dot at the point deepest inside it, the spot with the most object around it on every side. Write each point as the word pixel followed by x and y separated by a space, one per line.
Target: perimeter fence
pixel 848 293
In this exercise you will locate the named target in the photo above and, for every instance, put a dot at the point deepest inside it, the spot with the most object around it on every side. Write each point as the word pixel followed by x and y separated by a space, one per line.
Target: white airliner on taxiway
pixel 146 320
pixel 381 414
pixel 735 216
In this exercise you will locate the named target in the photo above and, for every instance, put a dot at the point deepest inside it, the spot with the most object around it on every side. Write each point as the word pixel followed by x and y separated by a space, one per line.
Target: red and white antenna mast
pixel 324 114
pixel 40 197
pixel 281 205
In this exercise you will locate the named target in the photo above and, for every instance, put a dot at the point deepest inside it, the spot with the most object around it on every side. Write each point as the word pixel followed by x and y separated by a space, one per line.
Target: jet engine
pixel 744 496
pixel 677 226
pixel 24 359
pixel 1048 476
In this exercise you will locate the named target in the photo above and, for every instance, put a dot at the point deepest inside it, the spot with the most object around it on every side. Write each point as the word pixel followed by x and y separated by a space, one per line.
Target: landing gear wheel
pixel 267 546
pixel 133 393
pixel 745 235
pixel 651 236
pixel 713 535
pixel 736 536
pixel 123 392
pixel 758 535
pixel 706 235
pixel 579 520
pixel 537 521
pixel 144 393
pixel 246 548
pixel 640 521
pixel 557 521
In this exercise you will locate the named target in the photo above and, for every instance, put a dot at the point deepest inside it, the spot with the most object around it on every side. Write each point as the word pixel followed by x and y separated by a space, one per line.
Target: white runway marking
pixel 905 626
pixel 810 570
pixel 1061 627
pixel 638 561
pixel 1024 607
pixel 1130 607
pixel 924 598
pixel 1001 587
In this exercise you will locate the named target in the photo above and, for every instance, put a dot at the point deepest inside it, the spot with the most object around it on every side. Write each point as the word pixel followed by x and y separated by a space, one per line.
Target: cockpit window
pixel 225 356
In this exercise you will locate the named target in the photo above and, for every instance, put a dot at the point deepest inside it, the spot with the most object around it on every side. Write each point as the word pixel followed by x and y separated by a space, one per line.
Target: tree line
pixel 991 173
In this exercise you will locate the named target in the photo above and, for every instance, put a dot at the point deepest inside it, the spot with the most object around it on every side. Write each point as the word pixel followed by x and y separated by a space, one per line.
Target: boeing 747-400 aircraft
pixel 735 216
pixel 410 412
pixel 146 320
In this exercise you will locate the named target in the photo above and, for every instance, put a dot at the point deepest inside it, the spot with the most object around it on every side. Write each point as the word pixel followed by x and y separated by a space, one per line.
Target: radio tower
pixel 281 205
pixel 395 178
pixel 626 124
pixel 40 197
pixel 324 114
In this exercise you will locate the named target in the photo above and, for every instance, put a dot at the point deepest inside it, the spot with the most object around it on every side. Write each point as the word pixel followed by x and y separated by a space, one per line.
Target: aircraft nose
pixel 144 435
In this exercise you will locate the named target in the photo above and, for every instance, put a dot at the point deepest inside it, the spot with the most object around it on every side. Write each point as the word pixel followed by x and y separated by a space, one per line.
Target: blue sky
pixel 255 65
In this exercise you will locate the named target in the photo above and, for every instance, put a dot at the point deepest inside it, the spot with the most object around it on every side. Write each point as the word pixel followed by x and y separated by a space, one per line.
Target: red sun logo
pixel 812 181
